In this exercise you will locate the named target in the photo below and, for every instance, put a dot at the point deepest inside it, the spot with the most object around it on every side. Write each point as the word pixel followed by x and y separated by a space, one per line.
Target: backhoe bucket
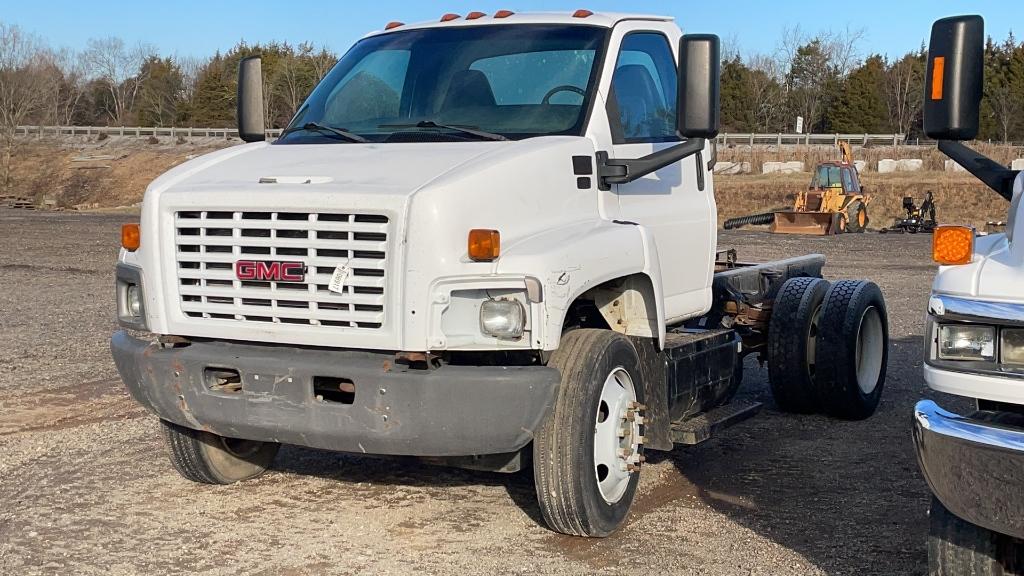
pixel 809 223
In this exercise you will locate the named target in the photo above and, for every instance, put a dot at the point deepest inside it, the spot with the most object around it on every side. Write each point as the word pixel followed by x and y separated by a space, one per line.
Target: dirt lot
pixel 85 487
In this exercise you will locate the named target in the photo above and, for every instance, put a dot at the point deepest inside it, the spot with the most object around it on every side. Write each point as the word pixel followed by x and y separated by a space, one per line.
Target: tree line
pixel 822 78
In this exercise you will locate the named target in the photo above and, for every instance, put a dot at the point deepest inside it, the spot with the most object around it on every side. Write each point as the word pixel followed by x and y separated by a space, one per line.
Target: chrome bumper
pixel 975 468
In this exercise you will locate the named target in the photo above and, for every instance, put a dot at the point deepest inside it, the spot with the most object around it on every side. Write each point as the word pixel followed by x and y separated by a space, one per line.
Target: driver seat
pixel 469 88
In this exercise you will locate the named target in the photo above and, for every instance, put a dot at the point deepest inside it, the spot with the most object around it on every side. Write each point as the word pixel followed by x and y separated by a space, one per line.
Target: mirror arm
pixel 619 171
pixel 990 172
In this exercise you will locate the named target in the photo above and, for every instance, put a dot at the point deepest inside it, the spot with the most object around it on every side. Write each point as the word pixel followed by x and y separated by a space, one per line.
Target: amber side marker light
pixel 953 245
pixel 484 245
pixel 938 76
pixel 131 237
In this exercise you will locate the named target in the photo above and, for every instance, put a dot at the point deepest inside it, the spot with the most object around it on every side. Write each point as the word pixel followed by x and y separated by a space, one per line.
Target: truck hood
pixel 997 272
pixel 358 167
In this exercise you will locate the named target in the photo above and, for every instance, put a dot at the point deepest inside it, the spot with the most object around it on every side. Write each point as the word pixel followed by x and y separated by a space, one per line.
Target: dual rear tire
pixel 828 347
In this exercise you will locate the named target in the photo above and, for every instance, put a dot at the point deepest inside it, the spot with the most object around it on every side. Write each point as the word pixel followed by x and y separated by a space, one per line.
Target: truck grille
pixel 208 244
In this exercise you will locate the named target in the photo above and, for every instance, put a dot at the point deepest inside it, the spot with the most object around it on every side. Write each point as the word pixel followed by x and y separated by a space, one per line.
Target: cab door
pixel 641 102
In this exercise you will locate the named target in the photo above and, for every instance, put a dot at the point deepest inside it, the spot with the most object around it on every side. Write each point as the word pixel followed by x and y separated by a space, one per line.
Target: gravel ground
pixel 85 487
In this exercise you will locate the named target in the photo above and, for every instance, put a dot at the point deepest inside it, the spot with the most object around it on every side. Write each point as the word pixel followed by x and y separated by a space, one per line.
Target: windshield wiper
pixel 314 127
pixel 434 125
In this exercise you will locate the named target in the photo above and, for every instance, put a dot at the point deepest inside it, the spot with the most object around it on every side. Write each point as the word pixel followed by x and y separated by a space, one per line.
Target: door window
pixel 643 94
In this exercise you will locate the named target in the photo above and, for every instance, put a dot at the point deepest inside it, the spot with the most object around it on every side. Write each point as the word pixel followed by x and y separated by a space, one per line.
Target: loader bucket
pixel 810 223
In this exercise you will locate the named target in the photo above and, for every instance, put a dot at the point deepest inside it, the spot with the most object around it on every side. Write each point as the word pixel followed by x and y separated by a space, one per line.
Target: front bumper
pixel 447 411
pixel 975 468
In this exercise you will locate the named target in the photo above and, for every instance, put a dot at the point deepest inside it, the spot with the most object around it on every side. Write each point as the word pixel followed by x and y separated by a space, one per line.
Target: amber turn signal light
pixel 131 237
pixel 953 245
pixel 484 245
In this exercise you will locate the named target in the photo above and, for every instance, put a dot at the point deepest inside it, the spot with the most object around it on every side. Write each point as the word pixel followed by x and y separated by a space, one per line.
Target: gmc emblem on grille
pixel 270 271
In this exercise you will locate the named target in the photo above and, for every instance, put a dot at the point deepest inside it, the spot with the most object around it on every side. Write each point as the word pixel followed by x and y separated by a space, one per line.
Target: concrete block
pixel 861 165
pixel 1017 164
pixel 732 168
pixel 910 165
pixel 782 167
pixel 952 166
pixel 887 166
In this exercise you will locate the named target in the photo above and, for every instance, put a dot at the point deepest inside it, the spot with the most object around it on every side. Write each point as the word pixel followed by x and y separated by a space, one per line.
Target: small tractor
pixel 834 203
pixel 918 219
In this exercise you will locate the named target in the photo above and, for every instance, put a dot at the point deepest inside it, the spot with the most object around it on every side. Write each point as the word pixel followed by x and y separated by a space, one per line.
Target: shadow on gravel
pixel 399 472
pixel 847 496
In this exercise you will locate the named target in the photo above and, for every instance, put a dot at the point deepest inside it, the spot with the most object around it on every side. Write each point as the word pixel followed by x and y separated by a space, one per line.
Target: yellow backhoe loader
pixel 834 203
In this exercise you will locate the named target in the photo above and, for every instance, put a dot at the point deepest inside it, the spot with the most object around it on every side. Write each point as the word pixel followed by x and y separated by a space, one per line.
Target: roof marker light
pixel 393 25
pixel 582 14
pixel 475 15
pixel 449 17
pixel 503 13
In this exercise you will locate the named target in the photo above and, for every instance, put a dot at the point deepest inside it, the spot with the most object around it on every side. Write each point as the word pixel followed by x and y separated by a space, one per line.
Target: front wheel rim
pixel 617 438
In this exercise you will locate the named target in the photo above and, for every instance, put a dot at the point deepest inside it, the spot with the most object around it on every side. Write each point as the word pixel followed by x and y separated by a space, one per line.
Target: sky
pixel 201 27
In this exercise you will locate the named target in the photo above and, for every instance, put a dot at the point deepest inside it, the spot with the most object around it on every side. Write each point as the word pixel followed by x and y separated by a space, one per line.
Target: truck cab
pixel 479 237
pixel 974 339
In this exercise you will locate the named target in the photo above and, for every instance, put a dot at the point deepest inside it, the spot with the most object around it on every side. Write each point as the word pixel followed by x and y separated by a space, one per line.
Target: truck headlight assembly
pixel 967 342
pixel 1013 346
pixel 133 301
pixel 503 319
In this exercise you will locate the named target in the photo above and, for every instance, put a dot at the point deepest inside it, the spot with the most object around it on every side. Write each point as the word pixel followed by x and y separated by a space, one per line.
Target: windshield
pixel 827 177
pixel 503 81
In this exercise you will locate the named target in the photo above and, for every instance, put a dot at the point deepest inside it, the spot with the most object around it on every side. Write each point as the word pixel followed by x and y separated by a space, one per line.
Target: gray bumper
pixel 448 411
pixel 975 468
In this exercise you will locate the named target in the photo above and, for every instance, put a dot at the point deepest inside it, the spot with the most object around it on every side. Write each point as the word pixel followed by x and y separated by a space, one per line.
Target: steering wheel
pixel 562 88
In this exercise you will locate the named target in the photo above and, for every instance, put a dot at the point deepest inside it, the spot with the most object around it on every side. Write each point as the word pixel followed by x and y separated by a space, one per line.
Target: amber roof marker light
pixel 503 13
pixel 449 17
pixel 582 14
pixel 475 15
pixel 393 25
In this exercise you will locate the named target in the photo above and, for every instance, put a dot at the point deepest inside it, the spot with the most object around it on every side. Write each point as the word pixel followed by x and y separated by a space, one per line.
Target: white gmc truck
pixel 974 339
pixel 487 241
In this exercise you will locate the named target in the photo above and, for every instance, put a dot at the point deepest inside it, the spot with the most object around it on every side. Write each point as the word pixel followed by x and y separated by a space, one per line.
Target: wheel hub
pixel 618 436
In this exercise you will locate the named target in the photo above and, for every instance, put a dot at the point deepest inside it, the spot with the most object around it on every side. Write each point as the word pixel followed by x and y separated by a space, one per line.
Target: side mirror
pixel 250 100
pixel 953 83
pixel 697 107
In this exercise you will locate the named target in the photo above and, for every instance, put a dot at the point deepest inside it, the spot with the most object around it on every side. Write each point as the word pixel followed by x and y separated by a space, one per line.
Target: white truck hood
pixel 360 167
pixel 997 273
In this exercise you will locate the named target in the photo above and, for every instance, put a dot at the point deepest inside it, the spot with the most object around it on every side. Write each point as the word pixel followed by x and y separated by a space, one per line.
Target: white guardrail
pixel 724 138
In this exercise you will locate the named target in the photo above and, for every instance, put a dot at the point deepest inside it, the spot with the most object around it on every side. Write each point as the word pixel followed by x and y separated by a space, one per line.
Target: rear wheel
pixel 792 336
pixel 857 217
pixel 852 350
pixel 958 548
pixel 211 459
pixel 588 452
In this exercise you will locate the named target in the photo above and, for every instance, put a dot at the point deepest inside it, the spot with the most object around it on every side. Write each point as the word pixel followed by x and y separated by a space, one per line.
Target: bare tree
pixel 904 83
pixel 22 80
pixel 118 68
pixel 766 82
pixel 815 66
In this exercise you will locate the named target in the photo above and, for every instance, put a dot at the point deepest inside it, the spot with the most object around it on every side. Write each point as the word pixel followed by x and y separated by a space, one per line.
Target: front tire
pixel 588 452
pixel 958 548
pixel 207 458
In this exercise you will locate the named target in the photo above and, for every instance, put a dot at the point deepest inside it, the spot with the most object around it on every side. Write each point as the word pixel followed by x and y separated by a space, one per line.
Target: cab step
pixel 697 429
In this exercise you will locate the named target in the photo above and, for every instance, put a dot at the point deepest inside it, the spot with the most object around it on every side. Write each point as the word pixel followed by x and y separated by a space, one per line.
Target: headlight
pixel 967 342
pixel 134 300
pixel 1013 346
pixel 503 319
